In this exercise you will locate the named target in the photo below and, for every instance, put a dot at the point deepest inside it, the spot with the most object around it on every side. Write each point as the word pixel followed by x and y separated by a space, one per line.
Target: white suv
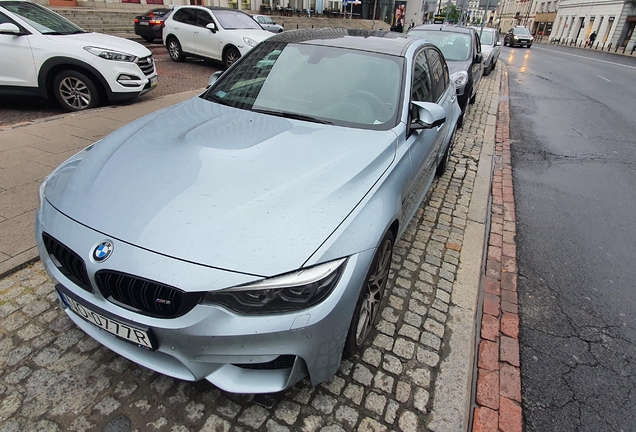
pixel 45 54
pixel 213 32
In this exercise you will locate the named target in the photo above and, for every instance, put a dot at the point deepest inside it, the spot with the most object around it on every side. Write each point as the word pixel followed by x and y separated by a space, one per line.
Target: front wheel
pixel 443 164
pixel 75 91
pixel 370 299
pixel 231 55
pixel 175 51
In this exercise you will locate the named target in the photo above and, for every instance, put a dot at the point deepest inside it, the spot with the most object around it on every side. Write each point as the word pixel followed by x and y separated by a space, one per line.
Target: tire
pixel 443 164
pixel 487 70
pixel 174 50
pixel 460 122
pixel 230 56
pixel 75 91
pixel 149 39
pixel 370 299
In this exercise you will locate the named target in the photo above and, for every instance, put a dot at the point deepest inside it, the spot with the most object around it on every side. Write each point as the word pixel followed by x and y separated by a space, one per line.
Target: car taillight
pixel 151 14
pixel 136 20
pixel 153 22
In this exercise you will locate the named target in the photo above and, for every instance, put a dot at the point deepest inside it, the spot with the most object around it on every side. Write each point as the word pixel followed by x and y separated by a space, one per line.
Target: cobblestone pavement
pixel 54 377
pixel 173 78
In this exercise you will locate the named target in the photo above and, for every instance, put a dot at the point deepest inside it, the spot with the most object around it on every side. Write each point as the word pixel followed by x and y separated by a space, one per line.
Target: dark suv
pixel 462 50
pixel 518 35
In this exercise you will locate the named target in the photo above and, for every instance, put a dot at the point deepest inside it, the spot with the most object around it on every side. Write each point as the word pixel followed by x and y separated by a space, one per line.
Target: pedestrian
pixel 592 38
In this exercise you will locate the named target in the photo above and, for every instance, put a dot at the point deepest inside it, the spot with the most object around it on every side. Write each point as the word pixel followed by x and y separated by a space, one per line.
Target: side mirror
pixel 215 76
pixel 479 57
pixel 498 43
pixel 429 115
pixel 211 27
pixel 10 29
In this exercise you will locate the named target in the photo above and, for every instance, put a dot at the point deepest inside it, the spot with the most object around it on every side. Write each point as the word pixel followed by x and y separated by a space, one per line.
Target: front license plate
pixel 116 328
pixel 153 81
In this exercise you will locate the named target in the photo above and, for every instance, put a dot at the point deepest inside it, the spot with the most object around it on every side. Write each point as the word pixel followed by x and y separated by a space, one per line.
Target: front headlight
pixel 531 37
pixel 250 42
pixel 111 55
pixel 291 292
pixel 515 37
pixel 460 78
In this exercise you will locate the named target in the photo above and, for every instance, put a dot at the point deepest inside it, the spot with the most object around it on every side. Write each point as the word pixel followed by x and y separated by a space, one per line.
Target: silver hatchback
pixel 245 236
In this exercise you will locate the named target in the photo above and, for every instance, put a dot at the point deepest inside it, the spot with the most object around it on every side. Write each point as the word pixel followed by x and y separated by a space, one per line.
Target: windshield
pixel 454 46
pixel 521 31
pixel 315 83
pixel 486 37
pixel 158 12
pixel 42 19
pixel 231 20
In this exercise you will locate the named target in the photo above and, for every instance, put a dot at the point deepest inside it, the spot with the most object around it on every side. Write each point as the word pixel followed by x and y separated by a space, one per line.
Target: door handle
pixel 453 98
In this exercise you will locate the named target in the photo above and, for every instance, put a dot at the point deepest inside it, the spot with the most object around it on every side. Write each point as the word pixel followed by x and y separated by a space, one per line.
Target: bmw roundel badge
pixel 102 251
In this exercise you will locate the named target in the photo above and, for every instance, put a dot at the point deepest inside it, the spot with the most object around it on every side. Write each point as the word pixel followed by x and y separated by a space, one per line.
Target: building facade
pixel 511 13
pixel 613 21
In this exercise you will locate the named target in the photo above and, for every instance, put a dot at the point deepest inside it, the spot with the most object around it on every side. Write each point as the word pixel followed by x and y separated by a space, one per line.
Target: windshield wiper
pixel 63 33
pixel 293 116
pixel 215 98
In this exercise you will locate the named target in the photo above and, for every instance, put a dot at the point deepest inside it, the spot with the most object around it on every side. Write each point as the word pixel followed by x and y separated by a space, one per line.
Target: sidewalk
pixel 416 373
pixel 29 152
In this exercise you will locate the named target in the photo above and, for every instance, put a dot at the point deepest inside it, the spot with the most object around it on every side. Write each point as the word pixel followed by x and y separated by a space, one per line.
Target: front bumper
pixel 113 70
pixel 209 341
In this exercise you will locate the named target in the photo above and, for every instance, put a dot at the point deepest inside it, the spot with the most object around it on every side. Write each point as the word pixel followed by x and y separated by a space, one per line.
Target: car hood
pixel 457 65
pixel 100 40
pixel 222 187
pixel 257 35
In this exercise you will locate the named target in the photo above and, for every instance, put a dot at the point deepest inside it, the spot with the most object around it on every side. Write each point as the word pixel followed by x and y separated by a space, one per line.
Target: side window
pixel 260 20
pixel 439 73
pixel 4 19
pixel 422 87
pixel 203 18
pixel 186 16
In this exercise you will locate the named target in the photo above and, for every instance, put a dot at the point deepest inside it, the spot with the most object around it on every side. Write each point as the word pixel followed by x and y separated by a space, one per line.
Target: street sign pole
pixel 375 5
pixel 483 20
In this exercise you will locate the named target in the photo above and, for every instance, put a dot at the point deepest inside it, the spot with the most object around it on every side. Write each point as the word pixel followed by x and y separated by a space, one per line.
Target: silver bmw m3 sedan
pixel 245 236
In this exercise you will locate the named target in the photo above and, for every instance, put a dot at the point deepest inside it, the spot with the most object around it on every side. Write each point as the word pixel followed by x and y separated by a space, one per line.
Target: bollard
pixel 609 47
pixel 633 48
pixel 624 48
pixel 616 49
pixel 580 44
pixel 296 26
pixel 597 45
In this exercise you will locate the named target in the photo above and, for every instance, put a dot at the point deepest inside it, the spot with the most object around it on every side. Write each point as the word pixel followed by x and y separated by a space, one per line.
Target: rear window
pixel 159 12
pixel 454 46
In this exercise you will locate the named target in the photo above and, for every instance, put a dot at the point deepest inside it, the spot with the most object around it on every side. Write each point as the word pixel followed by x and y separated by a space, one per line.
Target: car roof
pixel 445 28
pixel 379 41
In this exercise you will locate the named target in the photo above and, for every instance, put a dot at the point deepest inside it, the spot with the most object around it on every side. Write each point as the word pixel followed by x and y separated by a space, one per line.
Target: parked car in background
pixel 150 25
pixel 211 32
pixel 462 50
pixel 490 50
pixel 518 35
pixel 268 23
pixel 264 256
pixel 45 54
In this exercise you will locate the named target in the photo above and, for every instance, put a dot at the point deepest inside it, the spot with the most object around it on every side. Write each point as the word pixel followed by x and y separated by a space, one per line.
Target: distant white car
pixel 212 32
pixel 268 23
pixel 44 54
pixel 489 47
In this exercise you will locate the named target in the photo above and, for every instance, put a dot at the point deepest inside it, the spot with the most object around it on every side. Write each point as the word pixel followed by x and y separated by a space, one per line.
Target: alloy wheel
pixel 231 58
pixel 75 93
pixel 175 51
pixel 374 290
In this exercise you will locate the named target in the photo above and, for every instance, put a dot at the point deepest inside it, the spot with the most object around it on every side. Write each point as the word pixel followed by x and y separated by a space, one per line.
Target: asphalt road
pixel 173 78
pixel 573 126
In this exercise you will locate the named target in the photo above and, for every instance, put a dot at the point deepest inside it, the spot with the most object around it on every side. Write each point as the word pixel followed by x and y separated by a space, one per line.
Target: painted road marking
pixel 603 78
pixel 588 58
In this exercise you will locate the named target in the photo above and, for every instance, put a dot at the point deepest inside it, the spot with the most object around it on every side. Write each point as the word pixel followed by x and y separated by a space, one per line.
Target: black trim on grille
pixel 147 65
pixel 280 362
pixel 145 296
pixel 70 265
